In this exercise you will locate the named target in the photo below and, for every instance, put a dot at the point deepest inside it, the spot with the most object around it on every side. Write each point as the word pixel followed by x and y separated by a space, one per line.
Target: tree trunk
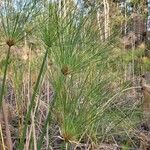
pixel 100 25
pixel 106 18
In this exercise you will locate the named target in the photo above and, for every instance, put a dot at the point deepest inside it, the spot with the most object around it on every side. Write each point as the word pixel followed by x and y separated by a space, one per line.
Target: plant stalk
pixel 4 77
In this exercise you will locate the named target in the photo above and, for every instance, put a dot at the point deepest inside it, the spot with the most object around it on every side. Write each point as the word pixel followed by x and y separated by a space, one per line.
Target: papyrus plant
pixel 79 75
pixel 14 16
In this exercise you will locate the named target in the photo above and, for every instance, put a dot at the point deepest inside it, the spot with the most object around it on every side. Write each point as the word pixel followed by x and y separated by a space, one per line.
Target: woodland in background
pixel 75 74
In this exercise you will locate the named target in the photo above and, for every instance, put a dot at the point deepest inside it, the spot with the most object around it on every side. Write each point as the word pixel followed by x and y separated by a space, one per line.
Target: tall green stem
pixel 4 77
pixel 21 145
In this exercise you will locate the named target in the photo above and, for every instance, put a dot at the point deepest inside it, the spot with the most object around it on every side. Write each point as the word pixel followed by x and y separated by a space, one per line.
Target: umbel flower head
pixel 10 42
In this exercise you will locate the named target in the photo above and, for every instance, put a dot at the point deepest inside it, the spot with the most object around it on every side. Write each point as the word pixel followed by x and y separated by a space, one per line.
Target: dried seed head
pixel 65 70
pixel 10 42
